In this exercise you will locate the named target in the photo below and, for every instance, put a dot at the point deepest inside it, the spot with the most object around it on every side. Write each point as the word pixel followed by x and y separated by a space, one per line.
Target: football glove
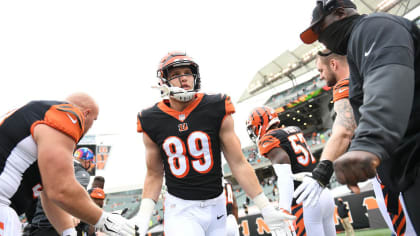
pixel 69 232
pixel 308 191
pixel 114 225
pixel 311 188
pixel 279 221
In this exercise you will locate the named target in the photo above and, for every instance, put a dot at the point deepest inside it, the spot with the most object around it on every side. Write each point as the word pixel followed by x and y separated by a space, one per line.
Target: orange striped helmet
pixel 259 121
pixel 178 59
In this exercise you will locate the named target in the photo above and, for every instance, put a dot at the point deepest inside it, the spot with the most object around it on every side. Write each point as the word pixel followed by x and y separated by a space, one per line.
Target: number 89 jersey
pixel 189 144
pixel 291 140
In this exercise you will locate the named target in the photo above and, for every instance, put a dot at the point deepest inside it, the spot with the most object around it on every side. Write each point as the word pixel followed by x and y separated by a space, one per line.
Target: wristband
pixel 323 172
pixel 101 220
pixel 69 232
pixel 261 201
pixel 147 206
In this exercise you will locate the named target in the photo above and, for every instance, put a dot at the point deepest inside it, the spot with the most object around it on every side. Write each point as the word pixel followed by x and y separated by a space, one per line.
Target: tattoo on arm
pixel 345 116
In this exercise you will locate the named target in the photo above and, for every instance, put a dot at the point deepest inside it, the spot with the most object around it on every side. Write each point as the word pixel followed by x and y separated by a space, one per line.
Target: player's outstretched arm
pixel 55 162
pixel 240 167
pixel 277 221
pixel 152 185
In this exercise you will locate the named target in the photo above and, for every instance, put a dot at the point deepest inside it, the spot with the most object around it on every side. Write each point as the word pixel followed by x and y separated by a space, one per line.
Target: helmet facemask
pixel 174 60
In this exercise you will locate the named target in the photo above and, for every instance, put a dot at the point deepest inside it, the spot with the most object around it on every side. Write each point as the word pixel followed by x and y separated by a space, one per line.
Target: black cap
pixel 323 8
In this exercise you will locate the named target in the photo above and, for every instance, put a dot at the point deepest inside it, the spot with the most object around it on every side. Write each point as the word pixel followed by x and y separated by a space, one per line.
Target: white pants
pixel 409 230
pixel 195 217
pixel 319 219
pixel 232 228
pixel 9 222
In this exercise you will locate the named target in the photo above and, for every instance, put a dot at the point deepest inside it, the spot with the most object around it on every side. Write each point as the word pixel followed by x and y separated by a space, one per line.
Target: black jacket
pixel 343 212
pixel 383 56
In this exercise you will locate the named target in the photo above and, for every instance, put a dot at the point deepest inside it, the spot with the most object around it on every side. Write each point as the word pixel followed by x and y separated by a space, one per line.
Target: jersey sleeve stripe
pixel 139 127
pixel 230 109
pixel 268 143
pixel 341 90
pixel 60 117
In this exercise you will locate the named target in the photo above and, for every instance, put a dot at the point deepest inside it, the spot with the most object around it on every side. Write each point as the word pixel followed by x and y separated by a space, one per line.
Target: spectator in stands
pixel 343 212
pixel 98 182
pixel 275 190
pixel 40 225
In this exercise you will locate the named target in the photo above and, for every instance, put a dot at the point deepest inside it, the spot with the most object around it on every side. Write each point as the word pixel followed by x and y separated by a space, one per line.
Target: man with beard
pixel 384 92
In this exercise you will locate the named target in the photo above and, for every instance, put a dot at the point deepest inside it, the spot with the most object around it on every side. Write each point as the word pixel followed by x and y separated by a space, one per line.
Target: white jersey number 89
pixel 199 147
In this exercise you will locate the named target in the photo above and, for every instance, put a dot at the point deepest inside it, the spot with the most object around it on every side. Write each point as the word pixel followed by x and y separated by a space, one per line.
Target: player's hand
pixel 142 225
pixel 355 166
pixel 115 224
pixel 308 192
pixel 278 221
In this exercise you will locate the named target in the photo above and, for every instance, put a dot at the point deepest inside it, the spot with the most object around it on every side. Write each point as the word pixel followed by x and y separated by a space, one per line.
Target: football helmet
pixel 85 156
pixel 172 60
pixel 259 121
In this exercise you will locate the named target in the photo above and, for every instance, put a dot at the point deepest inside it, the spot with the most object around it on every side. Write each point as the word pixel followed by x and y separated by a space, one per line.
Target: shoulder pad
pixel 66 118
pixel 341 90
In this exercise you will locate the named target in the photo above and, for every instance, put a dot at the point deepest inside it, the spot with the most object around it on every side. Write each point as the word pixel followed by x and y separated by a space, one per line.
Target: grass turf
pixel 369 232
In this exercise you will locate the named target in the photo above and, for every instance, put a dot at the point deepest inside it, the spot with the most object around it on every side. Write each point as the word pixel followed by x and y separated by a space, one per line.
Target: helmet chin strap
pixel 176 93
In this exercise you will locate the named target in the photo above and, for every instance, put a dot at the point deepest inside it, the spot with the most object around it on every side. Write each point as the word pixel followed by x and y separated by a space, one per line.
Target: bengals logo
pixel 183 127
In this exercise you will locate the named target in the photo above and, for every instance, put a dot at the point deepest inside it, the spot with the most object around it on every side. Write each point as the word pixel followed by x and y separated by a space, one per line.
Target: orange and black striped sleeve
pixel 268 143
pixel 229 108
pixel 341 90
pixel 65 118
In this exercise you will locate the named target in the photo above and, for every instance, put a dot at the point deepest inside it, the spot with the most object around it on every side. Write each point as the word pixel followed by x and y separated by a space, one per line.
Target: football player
pixel 184 136
pixel 36 159
pixel 289 154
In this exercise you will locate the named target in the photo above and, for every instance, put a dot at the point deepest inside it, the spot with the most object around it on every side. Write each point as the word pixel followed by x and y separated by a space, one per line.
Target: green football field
pixel 370 232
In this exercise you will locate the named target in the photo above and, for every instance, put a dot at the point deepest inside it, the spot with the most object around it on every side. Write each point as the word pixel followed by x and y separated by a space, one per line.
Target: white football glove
pixel 278 221
pixel 69 232
pixel 308 192
pixel 114 225
pixel 142 224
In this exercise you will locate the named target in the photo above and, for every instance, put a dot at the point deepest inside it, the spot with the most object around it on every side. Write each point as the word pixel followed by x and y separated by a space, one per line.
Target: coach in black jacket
pixel 383 55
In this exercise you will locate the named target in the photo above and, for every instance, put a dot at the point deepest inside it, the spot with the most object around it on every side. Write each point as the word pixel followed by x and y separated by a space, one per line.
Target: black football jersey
pixel 189 144
pixel 20 181
pixel 291 140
